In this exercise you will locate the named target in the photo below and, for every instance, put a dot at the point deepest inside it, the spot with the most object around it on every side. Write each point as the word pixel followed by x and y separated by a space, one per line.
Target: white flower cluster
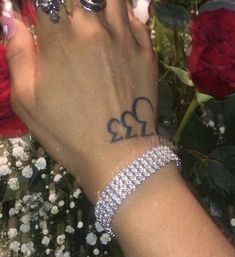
pixel 27 249
pixel 39 211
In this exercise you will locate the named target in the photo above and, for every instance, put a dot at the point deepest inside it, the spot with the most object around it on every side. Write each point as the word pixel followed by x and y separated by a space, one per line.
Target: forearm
pixel 162 218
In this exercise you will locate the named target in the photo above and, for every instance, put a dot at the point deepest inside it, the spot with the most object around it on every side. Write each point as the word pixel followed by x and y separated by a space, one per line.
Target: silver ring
pixel 93 5
pixel 50 7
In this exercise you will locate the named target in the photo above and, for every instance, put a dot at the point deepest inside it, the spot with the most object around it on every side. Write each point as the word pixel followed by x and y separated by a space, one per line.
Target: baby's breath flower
pixel 25 219
pixel 61 203
pixel 13 184
pixel 41 163
pixel 232 222
pixel 60 239
pixel 14 246
pixel 24 228
pixel 12 232
pixel 222 130
pixel 105 238
pixel 45 240
pixel 98 227
pixel 26 198
pixel 66 254
pixel 80 224
pixel 43 224
pixel 69 229
pixel 18 151
pixel 27 172
pixel 43 176
pixel 72 205
pixel 3 160
pixel 57 178
pixel 96 251
pixel 12 212
pixel 5 170
pixel 18 142
pixel 27 249
pixel 18 204
pixel 59 253
pixel 77 192
pixel 45 231
pixel 91 238
pixel 54 210
pixel 52 197
pixel 18 164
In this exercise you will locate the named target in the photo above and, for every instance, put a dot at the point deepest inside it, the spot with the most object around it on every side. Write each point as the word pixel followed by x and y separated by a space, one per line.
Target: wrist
pixel 109 161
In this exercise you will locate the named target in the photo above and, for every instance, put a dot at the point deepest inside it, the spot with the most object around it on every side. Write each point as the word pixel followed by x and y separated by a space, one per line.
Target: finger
pixel 141 31
pixel 117 16
pixel 51 29
pixel 20 53
pixel 85 21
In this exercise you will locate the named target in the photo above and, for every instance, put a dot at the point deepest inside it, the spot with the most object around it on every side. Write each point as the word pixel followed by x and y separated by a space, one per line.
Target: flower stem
pixel 193 105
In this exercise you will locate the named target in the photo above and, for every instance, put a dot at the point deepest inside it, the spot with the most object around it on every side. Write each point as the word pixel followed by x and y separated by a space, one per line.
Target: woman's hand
pixel 90 93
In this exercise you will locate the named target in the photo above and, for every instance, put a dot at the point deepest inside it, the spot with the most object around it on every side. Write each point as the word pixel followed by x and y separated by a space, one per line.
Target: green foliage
pixel 207 148
pixel 181 74
pixel 172 15
pixel 202 127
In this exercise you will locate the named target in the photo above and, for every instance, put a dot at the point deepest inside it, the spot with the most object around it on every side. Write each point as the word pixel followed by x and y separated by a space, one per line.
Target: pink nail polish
pixel 8 23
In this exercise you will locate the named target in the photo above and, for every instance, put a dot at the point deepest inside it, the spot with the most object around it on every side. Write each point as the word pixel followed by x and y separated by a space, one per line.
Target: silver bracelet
pixel 127 181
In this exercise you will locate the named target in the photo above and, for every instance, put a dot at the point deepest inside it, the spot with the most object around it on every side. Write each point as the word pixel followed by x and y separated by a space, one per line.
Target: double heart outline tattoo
pixel 116 137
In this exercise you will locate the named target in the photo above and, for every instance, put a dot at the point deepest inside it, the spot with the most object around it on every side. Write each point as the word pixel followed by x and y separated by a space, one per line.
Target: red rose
pixel 10 124
pixel 212 59
pixel 27 11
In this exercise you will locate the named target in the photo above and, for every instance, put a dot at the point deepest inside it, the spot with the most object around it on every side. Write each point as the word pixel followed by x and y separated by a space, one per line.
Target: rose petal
pixel 216 54
pixel 10 124
pixel 212 58
pixel 209 82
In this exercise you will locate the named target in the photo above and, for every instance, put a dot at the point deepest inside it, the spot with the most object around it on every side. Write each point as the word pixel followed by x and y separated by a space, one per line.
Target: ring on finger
pixel 93 5
pixel 50 7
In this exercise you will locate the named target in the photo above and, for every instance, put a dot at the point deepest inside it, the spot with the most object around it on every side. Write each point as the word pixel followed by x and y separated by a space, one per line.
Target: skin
pixel 89 68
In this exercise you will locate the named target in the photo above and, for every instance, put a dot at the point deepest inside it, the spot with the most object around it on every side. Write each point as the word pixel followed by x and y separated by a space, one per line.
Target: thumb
pixel 20 54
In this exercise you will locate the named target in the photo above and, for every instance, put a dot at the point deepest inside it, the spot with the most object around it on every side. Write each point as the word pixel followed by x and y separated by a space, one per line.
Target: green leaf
pixel 196 135
pixel 215 5
pixel 222 153
pixel 219 177
pixel 172 15
pixel 225 154
pixel 181 74
pixel 202 98
pixel 166 98
pixel 190 163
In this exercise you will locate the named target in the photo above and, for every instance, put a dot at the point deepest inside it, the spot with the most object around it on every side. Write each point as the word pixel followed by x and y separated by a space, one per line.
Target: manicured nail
pixel 8 22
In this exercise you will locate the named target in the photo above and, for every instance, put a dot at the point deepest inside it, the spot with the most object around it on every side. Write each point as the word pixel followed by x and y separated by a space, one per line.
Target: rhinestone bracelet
pixel 128 180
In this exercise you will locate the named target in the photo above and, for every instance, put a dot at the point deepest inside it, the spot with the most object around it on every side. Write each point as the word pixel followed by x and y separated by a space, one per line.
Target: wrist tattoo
pixel 127 118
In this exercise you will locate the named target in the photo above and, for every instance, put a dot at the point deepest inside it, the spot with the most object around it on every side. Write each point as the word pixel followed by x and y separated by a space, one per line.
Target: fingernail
pixel 8 22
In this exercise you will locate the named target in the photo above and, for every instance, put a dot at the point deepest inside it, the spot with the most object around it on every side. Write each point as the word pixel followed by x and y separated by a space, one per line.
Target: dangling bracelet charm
pixel 128 180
